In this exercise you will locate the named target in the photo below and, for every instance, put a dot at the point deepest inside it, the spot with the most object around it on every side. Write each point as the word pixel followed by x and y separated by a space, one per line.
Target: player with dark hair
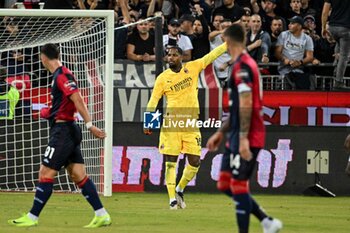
pixel 246 133
pixel 179 84
pixel 64 142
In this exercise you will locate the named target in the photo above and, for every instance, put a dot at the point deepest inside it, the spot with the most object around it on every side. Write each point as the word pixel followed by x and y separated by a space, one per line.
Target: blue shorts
pixel 240 169
pixel 64 146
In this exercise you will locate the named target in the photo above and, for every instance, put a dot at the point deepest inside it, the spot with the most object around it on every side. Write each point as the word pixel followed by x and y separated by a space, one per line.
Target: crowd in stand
pixel 284 31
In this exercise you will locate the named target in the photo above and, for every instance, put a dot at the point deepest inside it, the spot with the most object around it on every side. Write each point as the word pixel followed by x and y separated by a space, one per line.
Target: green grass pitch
pixel 148 212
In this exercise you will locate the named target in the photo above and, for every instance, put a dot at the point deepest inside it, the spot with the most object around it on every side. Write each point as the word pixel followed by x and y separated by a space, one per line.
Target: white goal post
pixel 86 41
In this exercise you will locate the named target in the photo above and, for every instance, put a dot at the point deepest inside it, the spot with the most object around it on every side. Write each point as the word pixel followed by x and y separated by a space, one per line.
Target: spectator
pixel 140 45
pixel 295 8
pixel 266 12
pixel 9 97
pixel 217 19
pixel 174 38
pixel 277 27
pixel 245 22
pixel 200 41
pixel 258 41
pixel 187 7
pixel 133 18
pixel 205 7
pixel 221 64
pixel 120 35
pixel 294 49
pixel 230 10
pixel 186 26
pixel 310 29
pixel 339 29
pixel 310 23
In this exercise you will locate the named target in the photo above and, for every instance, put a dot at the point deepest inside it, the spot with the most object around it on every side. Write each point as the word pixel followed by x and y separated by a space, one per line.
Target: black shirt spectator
pixel 200 42
pixel 277 26
pixel 187 25
pixel 267 13
pixel 340 15
pixel 142 46
pixel 230 10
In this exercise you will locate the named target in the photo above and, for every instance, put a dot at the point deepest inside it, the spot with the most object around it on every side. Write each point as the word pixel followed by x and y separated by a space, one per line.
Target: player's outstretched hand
pixel 244 149
pixel 214 141
pixel 97 132
pixel 147 131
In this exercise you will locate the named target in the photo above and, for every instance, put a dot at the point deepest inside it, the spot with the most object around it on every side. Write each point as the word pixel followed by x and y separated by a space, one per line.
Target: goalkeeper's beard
pixel 175 67
pixel 172 65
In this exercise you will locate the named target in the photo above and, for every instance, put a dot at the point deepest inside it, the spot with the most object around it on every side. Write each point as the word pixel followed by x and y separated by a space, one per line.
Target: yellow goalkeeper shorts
pixel 174 143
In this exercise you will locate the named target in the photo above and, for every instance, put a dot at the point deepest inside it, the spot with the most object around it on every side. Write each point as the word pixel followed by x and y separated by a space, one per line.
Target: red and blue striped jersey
pixel 63 85
pixel 245 76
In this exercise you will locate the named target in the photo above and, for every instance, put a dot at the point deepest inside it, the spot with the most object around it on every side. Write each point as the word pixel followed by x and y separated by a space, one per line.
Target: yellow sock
pixel 170 178
pixel 187 175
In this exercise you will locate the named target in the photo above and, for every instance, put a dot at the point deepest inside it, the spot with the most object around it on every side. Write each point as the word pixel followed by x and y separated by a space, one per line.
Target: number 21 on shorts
pixel 49 152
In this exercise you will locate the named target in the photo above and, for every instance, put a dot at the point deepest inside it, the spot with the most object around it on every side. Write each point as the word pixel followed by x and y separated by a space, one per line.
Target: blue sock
pixel 42 195
pixel 243 209
pixel 89 191
pixel 257 211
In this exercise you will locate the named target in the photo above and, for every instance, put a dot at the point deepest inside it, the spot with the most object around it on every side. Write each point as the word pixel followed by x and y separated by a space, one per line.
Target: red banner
pixel 306 98
pixel 307 108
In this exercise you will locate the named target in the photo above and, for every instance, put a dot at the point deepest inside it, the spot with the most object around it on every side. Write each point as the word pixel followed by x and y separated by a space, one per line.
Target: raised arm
pixel 210 57
pixel 213 34
pixel 151 6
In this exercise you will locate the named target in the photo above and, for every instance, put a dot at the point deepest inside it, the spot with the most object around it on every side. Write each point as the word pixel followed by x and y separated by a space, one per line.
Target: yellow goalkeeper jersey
pixel 181 89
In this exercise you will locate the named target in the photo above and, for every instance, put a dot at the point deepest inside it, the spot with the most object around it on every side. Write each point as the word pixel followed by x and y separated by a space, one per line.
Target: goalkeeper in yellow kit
pixel 179 84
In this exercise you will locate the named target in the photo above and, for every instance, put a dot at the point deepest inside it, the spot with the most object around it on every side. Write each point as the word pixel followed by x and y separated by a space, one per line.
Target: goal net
pixel 85 39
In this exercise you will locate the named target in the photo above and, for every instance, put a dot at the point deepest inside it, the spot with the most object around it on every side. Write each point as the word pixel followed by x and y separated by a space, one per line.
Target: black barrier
pixel 283 167
pixel 287 165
